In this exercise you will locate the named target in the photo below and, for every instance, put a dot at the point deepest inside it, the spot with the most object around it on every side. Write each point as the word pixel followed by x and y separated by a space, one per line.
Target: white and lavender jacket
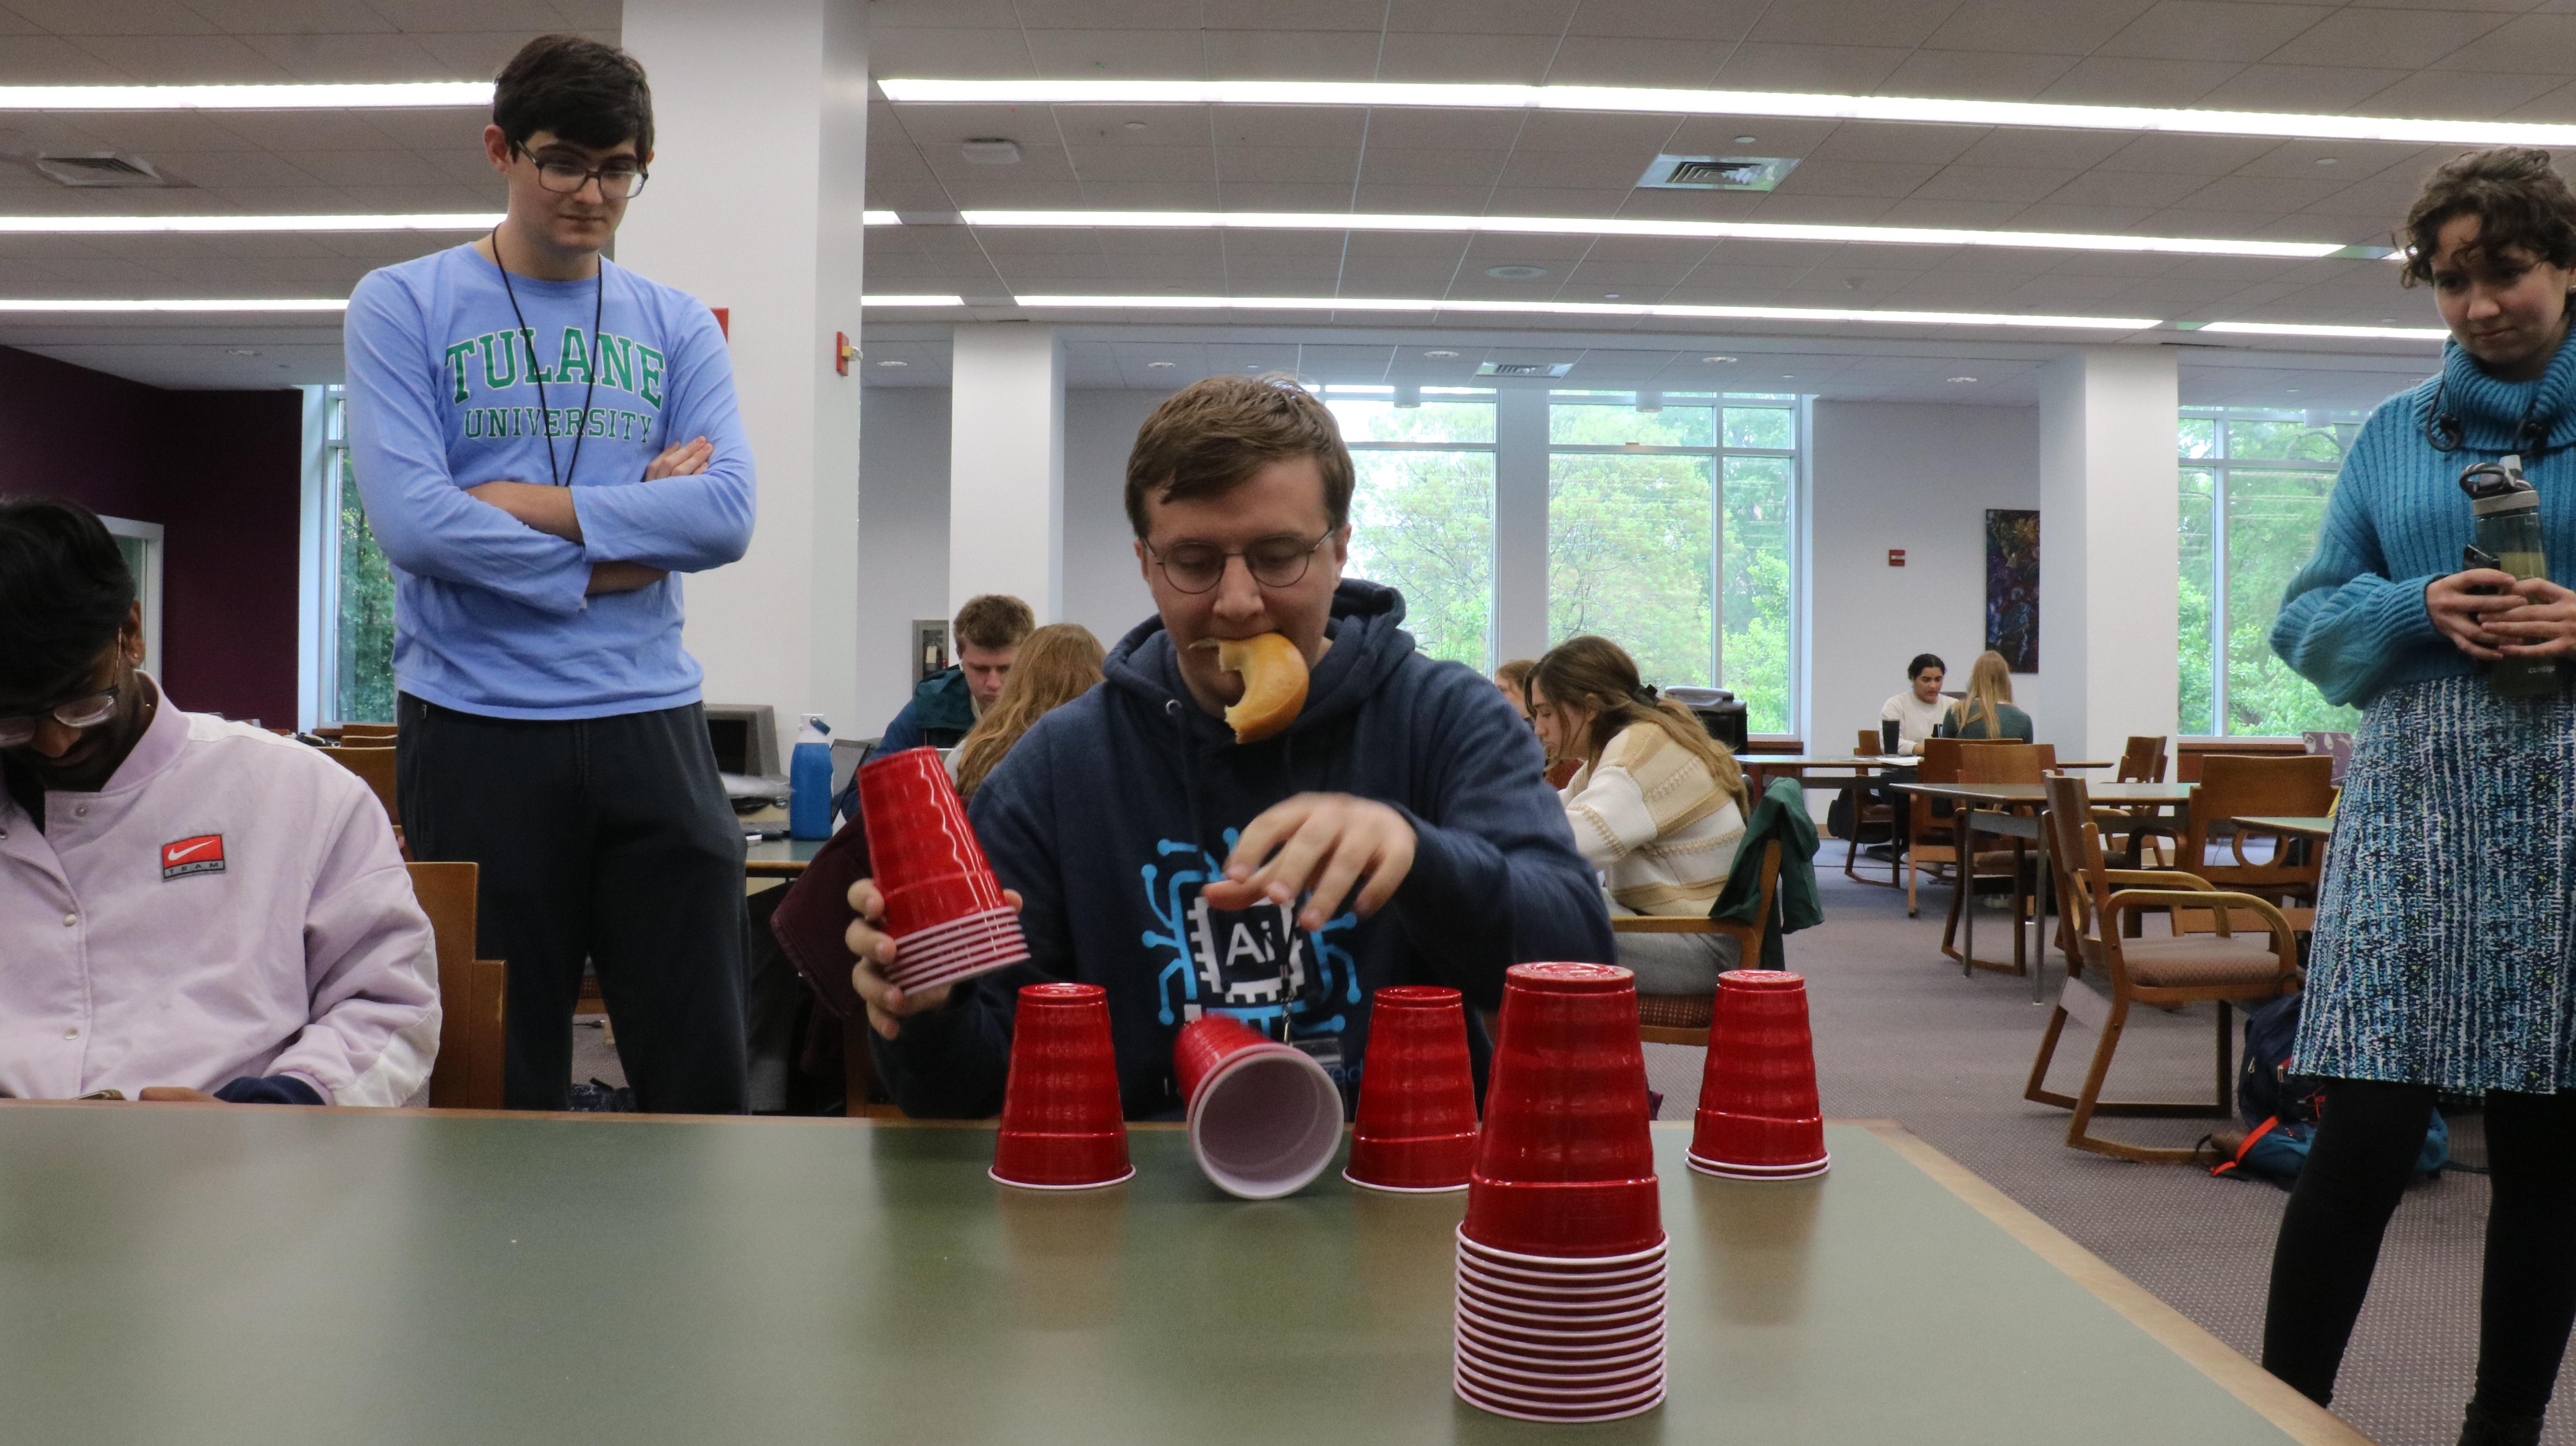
pixel 230 905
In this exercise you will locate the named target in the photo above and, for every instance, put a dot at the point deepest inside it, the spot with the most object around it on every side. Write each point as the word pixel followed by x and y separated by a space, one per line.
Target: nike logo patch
pixel 203 854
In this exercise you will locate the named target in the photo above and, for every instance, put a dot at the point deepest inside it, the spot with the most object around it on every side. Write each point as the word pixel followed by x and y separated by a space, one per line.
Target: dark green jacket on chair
pixel 1781 815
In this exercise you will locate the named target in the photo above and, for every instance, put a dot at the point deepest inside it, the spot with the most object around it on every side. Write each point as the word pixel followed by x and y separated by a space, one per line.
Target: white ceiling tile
pixel 2026 184
pixel 1152 195
pixel 2326 89
pixel 1410 245
pixel 2257 194
pixel 949 52
pixel 289 17
pixel 2060 27
pixel 2106 80
pixel 1592 170
pixel 1286 164
pixel 1635 60
pixel 1407 128
pixel 1831 22
pixel 1480 17
pixel 1975 75
pixel 1143 163
pixel 1833 69
pixel 2188 155
pixel 1719 20
pixel 1920 210
pixel 1274 196
pixel 1291 55
pixel 2140 191
pixel 113 17
pixel 1317 15
pixel 2212 30
pixel 46 60
pixel 1923 144
pixel 1143 54
pixel 2375 37
pixel 1493 59
pixel 2555 105
pixel 1386 166
pixel 1108 14
pixel 2529 44
pixel 1854 178
pixel 470 54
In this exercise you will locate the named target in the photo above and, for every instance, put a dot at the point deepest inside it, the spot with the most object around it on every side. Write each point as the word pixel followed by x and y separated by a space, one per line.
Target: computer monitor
pixel 745 739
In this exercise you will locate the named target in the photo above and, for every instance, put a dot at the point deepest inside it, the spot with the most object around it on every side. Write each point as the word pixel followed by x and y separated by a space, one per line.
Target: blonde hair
pixel 1989 690
pixel 1595 673
pixel 1056 664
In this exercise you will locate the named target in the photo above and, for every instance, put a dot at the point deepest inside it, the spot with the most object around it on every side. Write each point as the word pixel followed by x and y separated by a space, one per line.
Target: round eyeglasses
pixel 1273 562
pixel 564 177
pixel 18 729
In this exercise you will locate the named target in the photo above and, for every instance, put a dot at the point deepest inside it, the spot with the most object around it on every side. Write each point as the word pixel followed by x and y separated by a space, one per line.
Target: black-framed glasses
pixel 17 729
pixel 1273 562
pixel 563 177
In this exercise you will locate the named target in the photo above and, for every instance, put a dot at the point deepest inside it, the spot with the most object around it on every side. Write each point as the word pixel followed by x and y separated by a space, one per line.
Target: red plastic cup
pixel 914 908
pixel 1565 1166
pixel 1416 1124
pixel 1062 1128
pixel 1265 1119
pixel 916 823
pixel 1758 1114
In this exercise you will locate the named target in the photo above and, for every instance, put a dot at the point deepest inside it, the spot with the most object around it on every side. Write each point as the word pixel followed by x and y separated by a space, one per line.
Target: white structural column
pixel 2108 558
pixel 756 207
pixel 1520 524
pixel 1006 466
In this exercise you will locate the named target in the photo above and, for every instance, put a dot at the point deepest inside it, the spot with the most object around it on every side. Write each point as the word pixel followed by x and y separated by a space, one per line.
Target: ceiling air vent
pixel 1716 173
pixel 1524 369
pixel 100 168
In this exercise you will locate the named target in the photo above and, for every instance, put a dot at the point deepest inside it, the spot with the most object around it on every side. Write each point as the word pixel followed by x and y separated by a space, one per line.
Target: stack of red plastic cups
pixel 1561 1297
pixel 1265 1118
pixel 1415 1131
pixel 1758 1115
pixel 1061 1125
pixel 943 906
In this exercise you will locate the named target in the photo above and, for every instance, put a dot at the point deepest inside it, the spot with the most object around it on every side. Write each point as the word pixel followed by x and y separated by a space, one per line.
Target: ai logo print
pixel 203 854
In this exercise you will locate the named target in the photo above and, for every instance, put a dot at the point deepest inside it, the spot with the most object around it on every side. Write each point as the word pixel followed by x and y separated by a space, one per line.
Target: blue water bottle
pixel 809 781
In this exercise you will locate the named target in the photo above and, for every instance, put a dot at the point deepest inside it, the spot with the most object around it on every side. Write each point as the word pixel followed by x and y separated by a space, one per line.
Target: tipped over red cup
pixel 1062 1128
pixel 943 906
pixel 1264 1117
pixel 1565 1164
pixel 1759 1118
pixel 1415 1129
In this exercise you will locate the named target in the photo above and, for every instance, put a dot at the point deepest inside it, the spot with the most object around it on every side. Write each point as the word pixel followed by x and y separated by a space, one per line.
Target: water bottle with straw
pixel 2508 513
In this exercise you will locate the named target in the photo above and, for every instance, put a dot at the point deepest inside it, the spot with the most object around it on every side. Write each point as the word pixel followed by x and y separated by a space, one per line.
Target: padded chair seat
pixel 2201 961
pixel 1676 1011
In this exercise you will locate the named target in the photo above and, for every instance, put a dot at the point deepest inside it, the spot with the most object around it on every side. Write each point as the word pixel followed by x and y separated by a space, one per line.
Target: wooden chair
pixel 1981 762
pixel 473 994
pixel 1684 1019
pixel 2299 786
pixel 2143 761
pixel 376 766
pixel 354 732
pixel 2225 969
pixel 1865 814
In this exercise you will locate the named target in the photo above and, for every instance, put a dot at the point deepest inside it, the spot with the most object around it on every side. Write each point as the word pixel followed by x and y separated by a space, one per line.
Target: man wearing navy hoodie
pixel 1400 831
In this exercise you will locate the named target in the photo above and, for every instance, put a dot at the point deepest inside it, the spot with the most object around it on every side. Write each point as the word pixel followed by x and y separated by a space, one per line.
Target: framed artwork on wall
pixel 2012 587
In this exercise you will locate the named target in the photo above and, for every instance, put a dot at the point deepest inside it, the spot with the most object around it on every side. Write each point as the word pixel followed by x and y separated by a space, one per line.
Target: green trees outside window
pixel 2253 488
pixel 362 648
pixel 1422 514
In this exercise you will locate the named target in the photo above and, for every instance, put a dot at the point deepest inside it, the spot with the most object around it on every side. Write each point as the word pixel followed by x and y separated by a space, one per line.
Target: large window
pixel 2254 485
pixel 1422 510
pixel 358 651
pixel 1668 531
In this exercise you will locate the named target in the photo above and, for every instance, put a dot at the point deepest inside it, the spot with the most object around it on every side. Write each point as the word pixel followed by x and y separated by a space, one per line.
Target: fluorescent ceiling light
pixel 905 300
pixel 214 304
pixel 247 97
pixel 1730 102
pixel 2283 328
pixel 1585 308
pixel 128 225
pixel 1689 230
pixel 882 218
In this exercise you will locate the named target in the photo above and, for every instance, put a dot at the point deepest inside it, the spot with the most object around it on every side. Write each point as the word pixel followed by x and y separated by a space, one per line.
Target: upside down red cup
pixel 916 823
pixel 1759 1118
pixel 1565 1165
pixel 1264 1117
pixel 1062 1128
pixel 1416 1125
pixel 913 908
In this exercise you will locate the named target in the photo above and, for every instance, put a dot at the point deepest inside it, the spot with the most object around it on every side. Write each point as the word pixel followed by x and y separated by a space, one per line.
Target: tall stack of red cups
pixel 1062 1128
pixel 943 906
pixel 1561 1259
pixel 1415 1130
pixel 1264 1117
pixel 1758 1115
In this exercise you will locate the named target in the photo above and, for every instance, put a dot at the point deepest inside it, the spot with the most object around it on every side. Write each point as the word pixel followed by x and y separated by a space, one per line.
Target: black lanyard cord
pixel 537 371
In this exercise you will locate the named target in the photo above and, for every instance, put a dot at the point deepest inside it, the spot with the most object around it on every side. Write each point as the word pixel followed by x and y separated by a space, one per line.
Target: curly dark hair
pixel 585 92
pixel 2520 200
pixel 1209 437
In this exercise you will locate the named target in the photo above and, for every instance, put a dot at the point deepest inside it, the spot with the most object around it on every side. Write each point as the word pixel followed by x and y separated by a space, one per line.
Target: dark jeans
pixel 602 840
pixel 2364 1154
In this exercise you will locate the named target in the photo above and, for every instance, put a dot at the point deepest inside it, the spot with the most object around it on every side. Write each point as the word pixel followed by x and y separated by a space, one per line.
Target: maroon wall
pixel 222 472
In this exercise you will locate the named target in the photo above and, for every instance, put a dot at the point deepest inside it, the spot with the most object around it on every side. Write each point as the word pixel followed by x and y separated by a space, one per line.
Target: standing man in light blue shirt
pixel 545 441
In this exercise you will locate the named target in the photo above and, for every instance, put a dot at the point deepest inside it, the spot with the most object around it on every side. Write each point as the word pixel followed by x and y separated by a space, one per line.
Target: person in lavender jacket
pixel 193 909
pixel 2443 960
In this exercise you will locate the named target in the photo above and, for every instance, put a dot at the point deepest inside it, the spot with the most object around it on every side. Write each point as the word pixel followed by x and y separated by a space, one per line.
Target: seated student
pixel 1057 664
pixel 1657 805
pixel 1987 711
pixel 989 630
pixel 1395 832
pixel 193 909
pixel 1512 681
pixel 1916 712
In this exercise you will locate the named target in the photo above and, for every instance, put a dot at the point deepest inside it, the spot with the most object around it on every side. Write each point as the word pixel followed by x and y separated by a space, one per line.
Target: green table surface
pixel 217 1276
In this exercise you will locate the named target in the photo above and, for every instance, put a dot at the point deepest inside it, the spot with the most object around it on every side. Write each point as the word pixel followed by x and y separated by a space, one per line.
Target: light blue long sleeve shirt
pixel 2354 621
pixel 489 613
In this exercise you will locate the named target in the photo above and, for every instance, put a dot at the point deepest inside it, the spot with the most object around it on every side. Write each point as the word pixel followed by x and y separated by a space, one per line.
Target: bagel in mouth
pixel 1274 683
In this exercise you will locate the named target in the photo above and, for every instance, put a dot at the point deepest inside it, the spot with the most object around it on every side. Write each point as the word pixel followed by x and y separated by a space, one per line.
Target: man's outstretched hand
pixel 1317 844
pixel 874 948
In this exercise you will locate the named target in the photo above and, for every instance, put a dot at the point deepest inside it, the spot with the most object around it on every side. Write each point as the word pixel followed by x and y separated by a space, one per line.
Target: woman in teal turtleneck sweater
pixel 2445 957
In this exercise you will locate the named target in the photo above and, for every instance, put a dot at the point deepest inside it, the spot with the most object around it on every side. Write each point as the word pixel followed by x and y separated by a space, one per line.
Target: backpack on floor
pixel 2280 1109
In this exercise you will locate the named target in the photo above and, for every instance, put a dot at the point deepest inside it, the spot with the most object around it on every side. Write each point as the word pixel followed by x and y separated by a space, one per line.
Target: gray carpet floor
pixel 1900 1034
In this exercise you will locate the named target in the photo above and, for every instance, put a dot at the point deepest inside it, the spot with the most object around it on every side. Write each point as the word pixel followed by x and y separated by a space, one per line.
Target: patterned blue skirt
pixel 2443 950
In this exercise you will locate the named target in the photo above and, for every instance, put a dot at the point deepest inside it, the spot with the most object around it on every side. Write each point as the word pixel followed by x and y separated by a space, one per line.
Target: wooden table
pixel 240 1277
pixel 1989 811
pixel 2319 829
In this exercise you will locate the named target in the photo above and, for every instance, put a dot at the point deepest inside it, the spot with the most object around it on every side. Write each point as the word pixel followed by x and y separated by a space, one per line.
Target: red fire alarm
pixel 841 352
pixel 1896 557
pixel 724 320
